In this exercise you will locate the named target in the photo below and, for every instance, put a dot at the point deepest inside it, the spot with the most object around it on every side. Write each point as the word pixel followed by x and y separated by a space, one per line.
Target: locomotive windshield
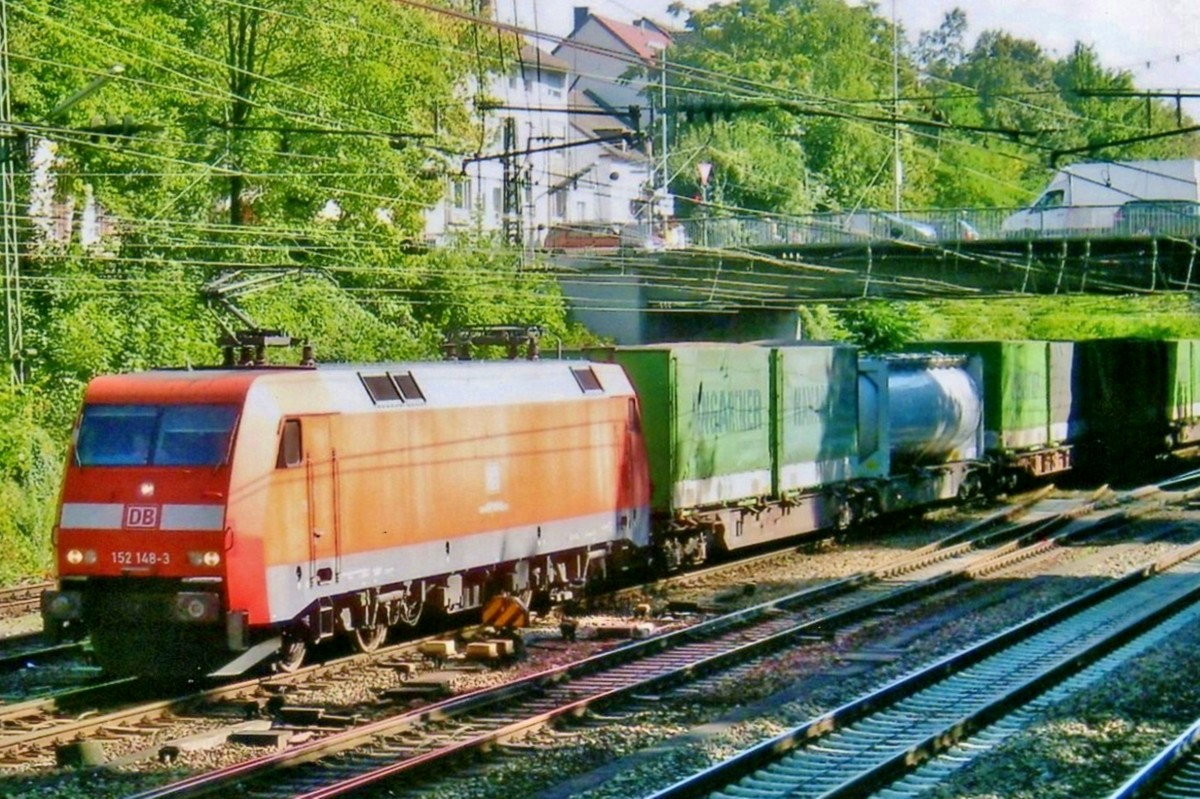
pixel 155 435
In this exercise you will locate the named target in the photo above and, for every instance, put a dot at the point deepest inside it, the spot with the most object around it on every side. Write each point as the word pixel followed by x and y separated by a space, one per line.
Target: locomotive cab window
pixel 155 435
pixel 290 445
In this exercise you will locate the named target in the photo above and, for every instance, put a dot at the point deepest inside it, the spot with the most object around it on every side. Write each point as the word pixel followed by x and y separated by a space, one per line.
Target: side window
pixel 1051 199
pixel 290 446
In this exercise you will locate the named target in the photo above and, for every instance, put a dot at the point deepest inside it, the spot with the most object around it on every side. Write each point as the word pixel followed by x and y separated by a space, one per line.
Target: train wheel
pixel 369 639
pixel 410 611
pixel 291 654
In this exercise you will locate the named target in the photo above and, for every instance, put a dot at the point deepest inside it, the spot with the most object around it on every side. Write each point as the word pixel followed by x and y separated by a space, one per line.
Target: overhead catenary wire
pixel 365 194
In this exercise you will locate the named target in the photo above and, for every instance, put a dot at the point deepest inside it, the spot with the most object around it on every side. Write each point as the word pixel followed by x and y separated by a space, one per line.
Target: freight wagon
pixel 751 444
pixel 1136 399
pixel 1028 397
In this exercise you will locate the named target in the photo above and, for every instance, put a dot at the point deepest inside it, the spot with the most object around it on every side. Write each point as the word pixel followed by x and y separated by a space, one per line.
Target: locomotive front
pixel 140 539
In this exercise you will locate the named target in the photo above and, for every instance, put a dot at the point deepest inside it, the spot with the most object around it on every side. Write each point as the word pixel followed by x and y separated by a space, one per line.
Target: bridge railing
pixel 1174 219
pixel 1167 218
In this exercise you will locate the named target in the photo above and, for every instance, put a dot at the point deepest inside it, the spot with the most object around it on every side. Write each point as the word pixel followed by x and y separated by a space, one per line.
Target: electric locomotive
pixel 214 519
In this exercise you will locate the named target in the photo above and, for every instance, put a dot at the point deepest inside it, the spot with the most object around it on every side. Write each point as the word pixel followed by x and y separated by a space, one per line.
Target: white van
pixel 1087 196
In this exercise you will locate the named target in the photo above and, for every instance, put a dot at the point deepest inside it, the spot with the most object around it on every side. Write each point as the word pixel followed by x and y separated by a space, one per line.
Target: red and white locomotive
pixel 213 519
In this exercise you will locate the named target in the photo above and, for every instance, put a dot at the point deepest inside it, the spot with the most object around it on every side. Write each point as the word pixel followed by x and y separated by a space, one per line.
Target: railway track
pixel 28 729
pixel 21 599
pixel 125 708
pixel 866 744
pixel 1174 773
pixel 26 649
pixel 416 743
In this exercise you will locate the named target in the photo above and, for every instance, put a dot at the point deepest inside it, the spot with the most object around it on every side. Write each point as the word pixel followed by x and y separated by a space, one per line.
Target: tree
pixel 880 325
pixel 829 64
pixel 939 52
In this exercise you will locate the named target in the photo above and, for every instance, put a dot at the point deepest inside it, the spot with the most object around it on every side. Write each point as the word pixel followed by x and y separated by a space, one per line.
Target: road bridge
pixel 752 281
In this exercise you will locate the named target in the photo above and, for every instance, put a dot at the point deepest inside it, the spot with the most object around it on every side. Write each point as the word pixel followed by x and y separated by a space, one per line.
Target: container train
pixel 215 520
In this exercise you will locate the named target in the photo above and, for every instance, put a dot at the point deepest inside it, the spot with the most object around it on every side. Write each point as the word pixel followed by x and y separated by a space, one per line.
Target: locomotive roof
pixel 446 382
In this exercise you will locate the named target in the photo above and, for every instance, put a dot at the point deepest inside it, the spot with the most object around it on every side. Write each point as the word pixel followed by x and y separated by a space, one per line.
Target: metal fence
pixel 1149 219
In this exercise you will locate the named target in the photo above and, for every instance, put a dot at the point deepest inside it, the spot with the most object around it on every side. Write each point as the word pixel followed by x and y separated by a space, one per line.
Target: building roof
pixel 533 57
pixel 637 39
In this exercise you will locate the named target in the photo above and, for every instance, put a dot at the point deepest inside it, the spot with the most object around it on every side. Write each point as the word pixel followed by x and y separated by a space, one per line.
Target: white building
pixel 611 64
pixel 557 178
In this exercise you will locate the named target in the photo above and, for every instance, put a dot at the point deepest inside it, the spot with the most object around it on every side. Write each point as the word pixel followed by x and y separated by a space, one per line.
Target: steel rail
pixel 567 690
pixel 878 737
pixel 1173 772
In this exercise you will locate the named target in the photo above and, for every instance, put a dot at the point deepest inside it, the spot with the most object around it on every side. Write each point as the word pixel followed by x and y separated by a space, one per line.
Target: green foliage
pixel 808 87
pixel 783 158
pixel 1062 317
pixel 819 323
pixel 879 325
pixel 30 465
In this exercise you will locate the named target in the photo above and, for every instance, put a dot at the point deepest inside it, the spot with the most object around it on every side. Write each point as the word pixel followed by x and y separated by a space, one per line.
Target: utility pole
pixel 664 177
pixel 512 186
pixel 9 239
pixel 666 174
pixel 897 166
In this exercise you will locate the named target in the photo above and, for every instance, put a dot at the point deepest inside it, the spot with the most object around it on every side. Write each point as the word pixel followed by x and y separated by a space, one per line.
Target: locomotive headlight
pixel 210 558
pixel 195 609
pixel 77 556
pixel 146 490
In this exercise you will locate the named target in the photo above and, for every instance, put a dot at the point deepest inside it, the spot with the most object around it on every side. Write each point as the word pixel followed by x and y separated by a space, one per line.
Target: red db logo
pixel 142 516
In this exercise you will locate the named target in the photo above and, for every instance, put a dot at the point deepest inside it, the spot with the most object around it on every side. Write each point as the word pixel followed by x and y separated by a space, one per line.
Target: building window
pixel 560 203
pixel 460 193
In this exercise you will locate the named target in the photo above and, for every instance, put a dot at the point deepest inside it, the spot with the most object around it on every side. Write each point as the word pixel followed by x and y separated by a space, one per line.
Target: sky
pixel 1158 41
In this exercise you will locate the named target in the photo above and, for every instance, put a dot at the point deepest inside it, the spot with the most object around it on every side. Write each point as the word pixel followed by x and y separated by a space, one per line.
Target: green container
pixel 814 415
pixel 1183 358
pixel 1123 397
pixel 1026 390
pixel 706 417
pixel 1062 390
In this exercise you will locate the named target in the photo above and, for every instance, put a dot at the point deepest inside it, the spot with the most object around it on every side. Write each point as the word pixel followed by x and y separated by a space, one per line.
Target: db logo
pixel 145 516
